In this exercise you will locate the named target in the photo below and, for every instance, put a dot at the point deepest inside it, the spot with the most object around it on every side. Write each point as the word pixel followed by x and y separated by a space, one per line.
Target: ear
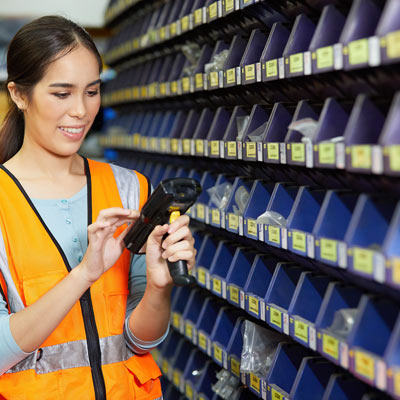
pixel 17 97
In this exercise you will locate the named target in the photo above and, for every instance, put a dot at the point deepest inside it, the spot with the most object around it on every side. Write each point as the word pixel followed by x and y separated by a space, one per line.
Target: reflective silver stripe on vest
pixel 73 355
pixel 128 186
pixel 14 299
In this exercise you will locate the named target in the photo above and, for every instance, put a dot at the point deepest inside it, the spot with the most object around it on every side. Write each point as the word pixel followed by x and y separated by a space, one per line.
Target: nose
pixel 78 108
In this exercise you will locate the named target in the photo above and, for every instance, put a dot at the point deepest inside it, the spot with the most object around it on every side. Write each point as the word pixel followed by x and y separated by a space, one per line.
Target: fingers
pixel 180 222
pixel 182 250
pixel 156 237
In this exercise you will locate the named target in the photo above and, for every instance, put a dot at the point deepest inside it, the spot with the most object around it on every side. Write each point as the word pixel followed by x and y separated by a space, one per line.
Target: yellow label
pixel 165 367
pixel 250 72
pixel 394 157
pixel 271 68
pixel 203 341
pixel 273 151
pixel 234 294
pixel 186 146
pixel 327 153
pixel 163 144
pixel 174 87
pixel 255 382
pixel 296 63
pixel 136 92
pixel 217 285
pixel 213 10
pixel 365 365
pixel 301 331
pixel 127 94
pixel 217 353
pixel 176 320
pixel 189 330
pixel 358 52
pixel 215 147
pixel 393 44
pixel 199 81
pixel 233 221
pixel 201 275
pixel 176 378
pixel 185 23
pixel 253 305
pixel 325 57
pixel 329 249
pixel 229 5
pixel 298 152
pixel 200 211
pixel 361 156
pixel 174 145
pixel 163 88
pixel 235 367
pixel 363 260
pixel 396 382
pixel 231 76
pixel 153 143
pixel 144 91
pixel 252 227
pixel 152 90
pixel 214 79
pixel 198 16
pixel 200 146
pixel 330 346
pixel 136 43
pixel 299 241
pixel 162 33
pixel 172 29
pixel 276 395
pixel 275 317
pixel 232 149
pixel 186 84
pixel 189 391
pixel 396 270
pixel 143 143
pixel 274 234
pixel 215 216
pixel 136 139
pixel 251 150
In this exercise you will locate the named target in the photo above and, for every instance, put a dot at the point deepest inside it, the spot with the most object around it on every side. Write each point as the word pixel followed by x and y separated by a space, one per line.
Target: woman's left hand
pixel 179 245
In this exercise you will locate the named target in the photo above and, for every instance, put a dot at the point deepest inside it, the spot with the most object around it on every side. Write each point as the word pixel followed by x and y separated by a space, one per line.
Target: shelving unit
pixel 323 266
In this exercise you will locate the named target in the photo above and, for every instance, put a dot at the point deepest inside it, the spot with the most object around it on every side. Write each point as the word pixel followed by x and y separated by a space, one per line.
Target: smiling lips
pixel 73 133
pixel 72 130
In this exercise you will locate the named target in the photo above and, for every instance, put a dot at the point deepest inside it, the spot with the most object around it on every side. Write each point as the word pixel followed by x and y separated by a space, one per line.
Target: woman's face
pixel 64 103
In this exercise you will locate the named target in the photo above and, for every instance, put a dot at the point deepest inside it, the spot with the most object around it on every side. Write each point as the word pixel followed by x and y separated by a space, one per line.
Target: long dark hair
pixel 34 47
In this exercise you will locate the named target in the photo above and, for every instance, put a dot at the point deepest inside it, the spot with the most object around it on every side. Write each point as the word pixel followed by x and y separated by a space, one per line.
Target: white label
pixel 209 350
pixel 242 300
pixel 264 390
pixel 181 326
pixel 220 15
pixel 282 152
pixel 237 4
pixel 260 151
pixel 285 323
pixel 307 63
pixel 240 150
pixel 221 149
pixel 238 76
pixel 208 281
pixel 224 289
pixel 207 215
pixel 243 378
pixel 342 250
pixel 312 338
pixel 192 84
pixel 191 21
pixel 284 238
pixel 374 50
pixel 377 159
pixel 241 225
pixel 204 13
pixel 381 374
pixel 223 225
pixel 221 79
pixel 261 232
pixel 281 68
pixel 338 56
pixel 258 72
pixel 180 150
pixel 309 155
pixel 205 147
pixel 344 355
pixel 379 267
pixel 340 156
pixel 262 310
pixel 192 147
pixel 310 246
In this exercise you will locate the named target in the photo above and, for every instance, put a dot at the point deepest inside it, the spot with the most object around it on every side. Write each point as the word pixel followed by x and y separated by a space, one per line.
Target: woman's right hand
pixel 104 249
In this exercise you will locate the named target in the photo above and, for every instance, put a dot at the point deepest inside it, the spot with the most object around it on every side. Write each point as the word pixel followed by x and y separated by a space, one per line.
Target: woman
pixel 77 315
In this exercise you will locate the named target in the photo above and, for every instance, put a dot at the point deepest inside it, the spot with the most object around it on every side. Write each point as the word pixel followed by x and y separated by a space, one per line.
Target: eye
pixel 92 93
pixel 63 95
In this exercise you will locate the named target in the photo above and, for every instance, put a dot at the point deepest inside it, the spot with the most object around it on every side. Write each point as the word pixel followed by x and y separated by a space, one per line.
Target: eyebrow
pixel 70 85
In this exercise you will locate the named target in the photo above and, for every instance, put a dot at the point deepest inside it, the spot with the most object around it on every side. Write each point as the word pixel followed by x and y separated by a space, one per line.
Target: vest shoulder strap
pixel 145 189
pixel 3 290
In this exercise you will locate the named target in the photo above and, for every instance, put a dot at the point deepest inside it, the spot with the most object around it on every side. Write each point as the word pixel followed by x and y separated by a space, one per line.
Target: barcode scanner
pixel 170 199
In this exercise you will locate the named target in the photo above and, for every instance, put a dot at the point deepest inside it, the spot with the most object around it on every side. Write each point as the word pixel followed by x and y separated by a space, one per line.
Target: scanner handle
pixel 178 269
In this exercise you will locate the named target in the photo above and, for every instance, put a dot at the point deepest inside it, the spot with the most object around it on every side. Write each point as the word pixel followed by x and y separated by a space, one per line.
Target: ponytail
pixel 11 133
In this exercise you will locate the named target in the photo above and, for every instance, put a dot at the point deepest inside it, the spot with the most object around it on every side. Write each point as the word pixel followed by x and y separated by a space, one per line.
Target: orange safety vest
pixel 86 356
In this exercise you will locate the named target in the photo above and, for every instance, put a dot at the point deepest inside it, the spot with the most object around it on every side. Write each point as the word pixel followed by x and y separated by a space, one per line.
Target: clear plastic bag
pixel 217 62
pixel 259 346
pixel 227 386
pixel 241 123
pixel 307 127
pixel 272 218
pixel 257 134
pixel 241 198
pixel 219 194
pixel 192 52
pixel 343 322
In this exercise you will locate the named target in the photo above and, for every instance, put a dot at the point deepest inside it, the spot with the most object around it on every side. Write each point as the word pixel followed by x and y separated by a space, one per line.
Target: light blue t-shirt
pixel 67 221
